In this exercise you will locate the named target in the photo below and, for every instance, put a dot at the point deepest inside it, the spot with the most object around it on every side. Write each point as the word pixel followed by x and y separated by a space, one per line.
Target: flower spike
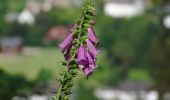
pixel 79 50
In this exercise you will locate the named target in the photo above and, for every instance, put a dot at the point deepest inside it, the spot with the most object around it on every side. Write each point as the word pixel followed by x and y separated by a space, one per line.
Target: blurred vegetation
pixel 12 85
pixel 31 63
pixel 18 85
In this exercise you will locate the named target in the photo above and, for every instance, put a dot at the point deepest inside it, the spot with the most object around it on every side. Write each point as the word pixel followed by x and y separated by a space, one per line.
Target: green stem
pixel 60 89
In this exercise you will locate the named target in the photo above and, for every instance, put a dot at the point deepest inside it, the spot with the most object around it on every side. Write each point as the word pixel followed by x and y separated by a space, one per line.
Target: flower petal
pixel 90 59
pixel 88 71
pixel 67 54
pixel 66 43
pixel 73 26
pixel 92 63
pixel 81 56
pixel 92 35
pixel 92 48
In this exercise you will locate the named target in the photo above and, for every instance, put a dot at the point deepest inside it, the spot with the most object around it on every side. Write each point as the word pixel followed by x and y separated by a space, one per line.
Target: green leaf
pixel 64 63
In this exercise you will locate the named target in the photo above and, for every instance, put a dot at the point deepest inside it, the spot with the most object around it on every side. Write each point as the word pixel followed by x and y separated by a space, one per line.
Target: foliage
pixel 131 40
pixel 45 75
pixel 86 93
pixel 18 85
pixel 12 85
pixel 138 75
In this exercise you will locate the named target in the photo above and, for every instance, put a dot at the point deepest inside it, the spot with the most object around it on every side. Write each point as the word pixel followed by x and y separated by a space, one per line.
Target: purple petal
pixel 73 26
pixel 92 35
pixel 92 48
pixel 81 56
pixel 66 43
pixel 91 60
pixel 92 66
pixel 67 54
pixel 88 71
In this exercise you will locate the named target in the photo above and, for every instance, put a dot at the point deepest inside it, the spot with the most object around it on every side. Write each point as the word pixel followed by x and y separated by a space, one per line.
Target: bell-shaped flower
pixel 88 71
pixel 81 56
pixel 73 26
pixel 91 61
pixel 67 53
pixel 92 48
pixel 66 43
pixel 92 35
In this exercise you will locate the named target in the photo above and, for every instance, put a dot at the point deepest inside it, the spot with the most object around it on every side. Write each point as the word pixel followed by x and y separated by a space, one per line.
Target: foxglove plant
pixel 79 50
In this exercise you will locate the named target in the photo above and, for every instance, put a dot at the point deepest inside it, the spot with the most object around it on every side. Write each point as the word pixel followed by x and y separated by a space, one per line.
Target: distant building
pixel 127 90
pixel 67 3
pixel 56 33
pixel 11 45
pixel 113 94
pixel 46 5
pixel 39 97
pixel 124 8
pixel 134 86
pixel 166 21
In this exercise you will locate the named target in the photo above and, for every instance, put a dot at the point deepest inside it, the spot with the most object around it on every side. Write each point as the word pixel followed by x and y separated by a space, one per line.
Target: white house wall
pixel 124 9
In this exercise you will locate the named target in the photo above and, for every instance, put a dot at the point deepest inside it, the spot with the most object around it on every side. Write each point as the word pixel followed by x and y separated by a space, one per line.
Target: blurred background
pixel 134 63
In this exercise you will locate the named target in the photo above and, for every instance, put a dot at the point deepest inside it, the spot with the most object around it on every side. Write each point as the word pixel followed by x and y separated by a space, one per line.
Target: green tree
pixel 3 9
pixel 12 85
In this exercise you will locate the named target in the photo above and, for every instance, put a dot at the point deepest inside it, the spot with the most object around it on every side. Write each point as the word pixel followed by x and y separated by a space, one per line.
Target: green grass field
pixel 31 62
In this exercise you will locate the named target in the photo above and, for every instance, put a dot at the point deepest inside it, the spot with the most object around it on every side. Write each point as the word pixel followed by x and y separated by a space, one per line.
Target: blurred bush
pixel 12 85
pixel 18 85
pixel 45 75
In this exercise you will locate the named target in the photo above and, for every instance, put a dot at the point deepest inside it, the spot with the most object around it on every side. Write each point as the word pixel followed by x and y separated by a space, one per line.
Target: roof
pixel 133 85
pixel 10 41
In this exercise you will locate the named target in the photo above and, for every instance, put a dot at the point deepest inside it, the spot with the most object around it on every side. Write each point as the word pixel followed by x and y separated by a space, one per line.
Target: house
pixel 46 5
pixel 124 8
pixel 113 94
pixel 56 33
pixel 11 45
pixel 166 21
pixel 127 90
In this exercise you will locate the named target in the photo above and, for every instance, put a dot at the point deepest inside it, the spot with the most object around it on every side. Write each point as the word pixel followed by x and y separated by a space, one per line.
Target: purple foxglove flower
pixel 81 56
pixel 88 71
pixel 92 66
pixel 73 26
pixel 91 48
pixel 89 57
pixel 91 61
pixel 92 35
pixel 66 55
pixel 66 43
